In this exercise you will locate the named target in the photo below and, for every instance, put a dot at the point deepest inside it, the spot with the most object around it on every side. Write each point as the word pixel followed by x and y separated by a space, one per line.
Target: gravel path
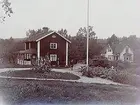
pixel 82 79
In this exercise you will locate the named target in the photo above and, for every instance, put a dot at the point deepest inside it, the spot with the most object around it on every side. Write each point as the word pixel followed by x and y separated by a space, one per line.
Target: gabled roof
pixel 51 34
pixel 117 48
pixel 38 37
pixel 120 47
pixel 28 51
pixel 106 46
pixel 35 37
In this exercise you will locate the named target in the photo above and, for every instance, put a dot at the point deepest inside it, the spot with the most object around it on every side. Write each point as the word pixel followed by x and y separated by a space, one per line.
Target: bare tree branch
pixel 6 6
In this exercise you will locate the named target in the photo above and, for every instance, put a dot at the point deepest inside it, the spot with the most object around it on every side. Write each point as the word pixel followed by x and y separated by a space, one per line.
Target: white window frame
pixel 109 50
pixel 53 57
pixel 53 45
pixel 109 57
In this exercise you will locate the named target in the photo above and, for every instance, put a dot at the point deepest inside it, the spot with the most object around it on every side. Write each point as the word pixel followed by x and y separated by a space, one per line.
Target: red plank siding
pixel 61 47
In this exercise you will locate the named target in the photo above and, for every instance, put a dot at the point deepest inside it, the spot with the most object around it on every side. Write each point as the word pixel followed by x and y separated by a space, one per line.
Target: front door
pixel 53 59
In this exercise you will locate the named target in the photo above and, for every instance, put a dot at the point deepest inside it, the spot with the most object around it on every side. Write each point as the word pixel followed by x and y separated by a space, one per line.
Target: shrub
pixel 96 72
pixel 120 64
pixel 99 62
pixel 85 72
pixel 111 74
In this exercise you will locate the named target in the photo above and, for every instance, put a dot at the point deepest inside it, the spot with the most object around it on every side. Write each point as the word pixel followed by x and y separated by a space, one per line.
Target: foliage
pixel 98 72
pixel 115 75
pixel 6 5
pixel 113 40
pixel 120 65
pixel 99 61
pixel 44 30
pixel 78 46
pixel 64 33
pixel 77 49
pixel 83 32
pixel 9 47
pixel 41 65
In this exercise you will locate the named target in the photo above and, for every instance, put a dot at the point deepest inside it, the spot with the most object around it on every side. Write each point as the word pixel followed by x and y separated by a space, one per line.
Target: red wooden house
pixel 53 44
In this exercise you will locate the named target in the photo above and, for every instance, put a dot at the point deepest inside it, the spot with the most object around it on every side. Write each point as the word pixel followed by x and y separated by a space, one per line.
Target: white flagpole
pixel 87 57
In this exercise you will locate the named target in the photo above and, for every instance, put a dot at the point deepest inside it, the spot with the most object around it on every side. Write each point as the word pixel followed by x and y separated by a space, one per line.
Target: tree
pixel 30 33
pixel 113 41
pixel 64 32
pixel 9 47
pixel 83 32
pixel 78 46
pixel 44 30
pixel 6 5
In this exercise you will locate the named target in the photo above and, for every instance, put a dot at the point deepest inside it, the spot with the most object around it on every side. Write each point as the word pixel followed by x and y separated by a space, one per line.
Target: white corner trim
pixel 67 53
pixel 25 46
pixel 38 49
pixel 29 45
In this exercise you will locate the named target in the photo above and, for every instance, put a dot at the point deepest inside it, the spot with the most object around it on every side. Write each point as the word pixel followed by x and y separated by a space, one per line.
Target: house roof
pixel 41 36
pixel 35 37
pixel 28 51
pixel 105 46
pixel 119 47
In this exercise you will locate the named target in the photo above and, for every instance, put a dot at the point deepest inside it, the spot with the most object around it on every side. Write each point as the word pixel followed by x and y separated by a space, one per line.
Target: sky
pixel 120 17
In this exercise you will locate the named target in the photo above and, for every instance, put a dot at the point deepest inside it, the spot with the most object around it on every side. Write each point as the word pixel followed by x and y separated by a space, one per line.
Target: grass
pixel 10 65
pixel 36 74
pixel 18 91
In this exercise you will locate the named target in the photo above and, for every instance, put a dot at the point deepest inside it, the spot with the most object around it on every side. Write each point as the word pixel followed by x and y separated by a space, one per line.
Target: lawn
pixel 10 65
pixel 22 91
pixel 36 74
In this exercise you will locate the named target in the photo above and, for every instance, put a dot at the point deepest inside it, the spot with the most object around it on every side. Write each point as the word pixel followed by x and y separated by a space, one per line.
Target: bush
pixel 111 74
pixel 121 77
pixel 99 62
pixel 120 64
pixel 96 72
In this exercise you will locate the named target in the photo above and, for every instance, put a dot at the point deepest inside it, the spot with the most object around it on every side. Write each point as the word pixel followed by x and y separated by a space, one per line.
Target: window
pixel 126 49
pixel 109 57
pixel 27 56
pixel 53 57
pixel 109 50
pixel 53 45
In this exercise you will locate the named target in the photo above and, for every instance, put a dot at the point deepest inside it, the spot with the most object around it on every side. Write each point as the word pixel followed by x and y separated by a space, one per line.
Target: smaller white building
pixel 108 53
pixel 121 52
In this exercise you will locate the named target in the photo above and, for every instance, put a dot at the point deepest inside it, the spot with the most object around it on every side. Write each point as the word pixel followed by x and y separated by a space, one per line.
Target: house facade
pixel 120 52
pixel 53 45
pixel 126 55
pixel 108 53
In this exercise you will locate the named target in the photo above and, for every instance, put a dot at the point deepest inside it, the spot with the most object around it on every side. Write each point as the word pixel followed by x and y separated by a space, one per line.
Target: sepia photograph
pixel 69 52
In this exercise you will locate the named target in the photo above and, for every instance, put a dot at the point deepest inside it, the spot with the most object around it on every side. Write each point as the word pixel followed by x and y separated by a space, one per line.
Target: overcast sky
pixel 120 17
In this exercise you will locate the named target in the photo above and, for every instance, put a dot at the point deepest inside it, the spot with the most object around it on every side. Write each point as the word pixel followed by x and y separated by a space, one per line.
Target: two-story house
pixel 108 53
pixel 124 53
pixel 53 44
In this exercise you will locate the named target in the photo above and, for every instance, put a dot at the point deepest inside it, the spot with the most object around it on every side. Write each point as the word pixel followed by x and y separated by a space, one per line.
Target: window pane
pixel 53 57
pixel 53 45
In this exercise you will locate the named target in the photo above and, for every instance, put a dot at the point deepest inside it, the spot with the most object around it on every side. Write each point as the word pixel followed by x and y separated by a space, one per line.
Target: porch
pixel 23 57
